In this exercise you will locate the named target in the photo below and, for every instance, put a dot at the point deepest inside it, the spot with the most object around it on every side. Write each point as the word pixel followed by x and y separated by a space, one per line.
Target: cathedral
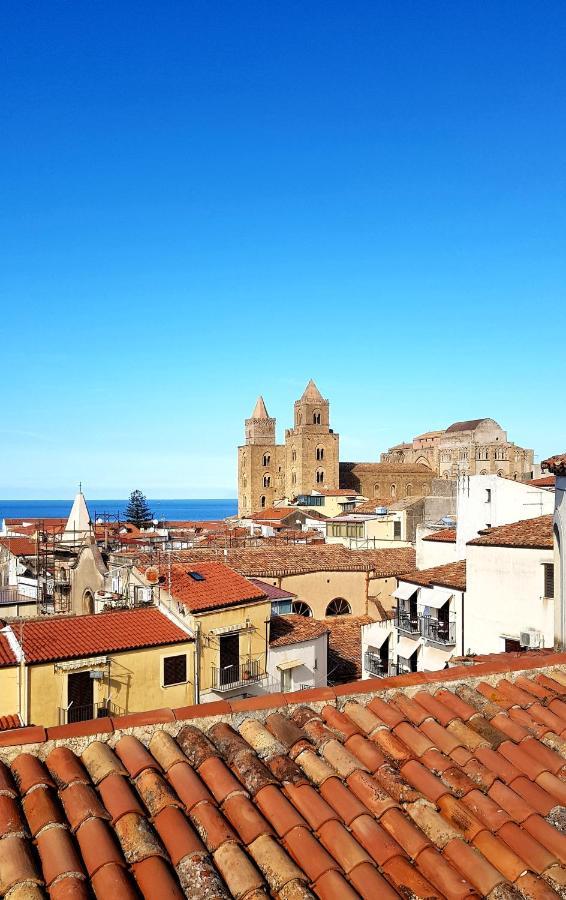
pixel 308 459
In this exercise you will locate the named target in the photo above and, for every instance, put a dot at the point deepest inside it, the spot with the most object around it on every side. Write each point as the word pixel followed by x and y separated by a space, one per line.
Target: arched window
pixel 245 481
pixel 319 454
pixel 293 455
pixel 408 490
pixel 263 502
pixel 245 502
pixel 267 480
pixel 338 607
pixel 316 418
pixel 88 602
pixel 376 489
pixel 293 477
pixel 300 608
pixel 319 476
pixel 299 418
pixel 483 472
pixel 266 459
pixel 393 490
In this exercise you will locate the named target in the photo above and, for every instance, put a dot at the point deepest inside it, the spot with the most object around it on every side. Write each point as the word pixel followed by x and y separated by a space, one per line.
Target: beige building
pixel 474 447
pixel 268 472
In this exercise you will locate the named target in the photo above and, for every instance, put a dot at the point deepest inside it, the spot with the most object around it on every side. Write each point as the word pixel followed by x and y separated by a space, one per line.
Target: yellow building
pixel 63 669
pixel 228 616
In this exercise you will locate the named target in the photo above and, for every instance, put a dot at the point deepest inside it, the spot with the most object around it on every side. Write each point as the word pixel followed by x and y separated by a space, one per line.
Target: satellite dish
pixel 152 574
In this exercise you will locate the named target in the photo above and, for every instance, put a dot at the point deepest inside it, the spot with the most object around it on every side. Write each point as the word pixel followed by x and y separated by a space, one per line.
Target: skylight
pixel 196 576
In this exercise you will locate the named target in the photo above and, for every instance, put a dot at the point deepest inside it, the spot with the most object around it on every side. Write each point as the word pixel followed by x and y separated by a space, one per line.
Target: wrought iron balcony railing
pixel 438 630
pixel 378 667
pixel 225 678
pixel 407 622
pixel 88 711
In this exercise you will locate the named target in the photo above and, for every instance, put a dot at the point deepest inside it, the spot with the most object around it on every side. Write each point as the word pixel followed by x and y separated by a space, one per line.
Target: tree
pixel 137 511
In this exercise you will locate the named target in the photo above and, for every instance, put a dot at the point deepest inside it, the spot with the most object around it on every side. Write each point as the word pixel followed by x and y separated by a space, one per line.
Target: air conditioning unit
pixel 532 639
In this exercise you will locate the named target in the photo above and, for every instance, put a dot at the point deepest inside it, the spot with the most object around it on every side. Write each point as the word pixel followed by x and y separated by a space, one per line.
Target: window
pixel 293 477
pixel 281 607
pixel 310 500
pixel 286 682
pixel 548 579
pixel 409 490
pixel 267 480
pixel 262 501
pixel 393 490
pixel 319 476
pixel 300 608
pixel 316 418
pixel 338 607
pixel 396 531
pixel 266 459
pixel 196 576
pixel 319 454
pixel 488 495
pixel 293 455
pixel 175 670
pixel 376 489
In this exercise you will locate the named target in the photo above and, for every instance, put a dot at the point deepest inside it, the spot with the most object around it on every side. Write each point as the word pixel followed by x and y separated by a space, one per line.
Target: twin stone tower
pixel 308 459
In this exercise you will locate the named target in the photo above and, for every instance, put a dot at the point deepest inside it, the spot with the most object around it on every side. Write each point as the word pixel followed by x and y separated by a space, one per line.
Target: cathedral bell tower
pixel 311 457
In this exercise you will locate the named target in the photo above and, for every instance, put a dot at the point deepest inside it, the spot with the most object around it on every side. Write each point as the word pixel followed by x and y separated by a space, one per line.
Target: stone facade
pixel 475 447
pixel 387 481
pixel 269 472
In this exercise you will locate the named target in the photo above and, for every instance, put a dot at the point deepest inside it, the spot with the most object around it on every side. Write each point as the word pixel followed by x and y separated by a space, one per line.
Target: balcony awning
pixel 289 664
pixel 376 637
pixel 407 646
pixel 434 599
pixel 434 658
pixel 404 591
pixel 229 629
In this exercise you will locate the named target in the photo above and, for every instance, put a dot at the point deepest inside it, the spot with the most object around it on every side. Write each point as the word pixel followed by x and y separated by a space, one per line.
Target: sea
pixel 174 510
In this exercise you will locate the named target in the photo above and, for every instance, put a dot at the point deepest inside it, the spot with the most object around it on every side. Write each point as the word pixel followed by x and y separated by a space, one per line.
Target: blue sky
pixel 205 201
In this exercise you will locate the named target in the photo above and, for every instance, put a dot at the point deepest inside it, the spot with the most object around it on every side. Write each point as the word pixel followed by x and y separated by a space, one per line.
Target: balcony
pixel 378 667
pixel 226 678
pixel 438 630
pixel 89 711
pixel 408 622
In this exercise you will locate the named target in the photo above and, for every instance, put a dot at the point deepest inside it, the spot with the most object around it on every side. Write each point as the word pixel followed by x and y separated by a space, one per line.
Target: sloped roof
pixel 275 513
pixel 450 575
pixel 296 559
pixel 74 637
pixel 19 546
pixel 444 536
pixel 345 647
pixel 444 784
pixel 293 629
pixel 527 533
pixel 468 425
pixel 555 464
pixel 272 591
pixel 218 585
pixel 547 481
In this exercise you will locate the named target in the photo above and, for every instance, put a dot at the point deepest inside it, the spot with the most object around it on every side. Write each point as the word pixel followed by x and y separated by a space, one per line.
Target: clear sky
pixel 202 201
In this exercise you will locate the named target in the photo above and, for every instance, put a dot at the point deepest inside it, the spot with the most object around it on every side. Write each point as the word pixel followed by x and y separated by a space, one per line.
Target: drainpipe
pixel 197 662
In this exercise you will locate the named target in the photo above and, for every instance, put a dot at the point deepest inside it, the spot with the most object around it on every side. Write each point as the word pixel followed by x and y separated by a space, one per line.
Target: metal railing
pixel 407 622
pixel 9 595
pixel 377 666
pixel 438 630
pixel 88 711
pixel 236 675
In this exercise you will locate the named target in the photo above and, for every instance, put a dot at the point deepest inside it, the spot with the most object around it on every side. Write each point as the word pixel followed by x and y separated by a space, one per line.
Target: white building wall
pixel 433 553
pixel 560 561
pixel 505 587
pixel 373 636
pixel 312 672
pixel 433 655
pixel 507 501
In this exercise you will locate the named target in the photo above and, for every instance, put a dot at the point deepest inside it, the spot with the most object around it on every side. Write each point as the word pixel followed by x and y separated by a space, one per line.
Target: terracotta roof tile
pixel 276 561
pixel 294 629
pixel 412 789
pixel 532 533
pixel 444 536
pixel 344 647
pixel 555 464
pixel 72 637
pixel 216 585
pixel 450 575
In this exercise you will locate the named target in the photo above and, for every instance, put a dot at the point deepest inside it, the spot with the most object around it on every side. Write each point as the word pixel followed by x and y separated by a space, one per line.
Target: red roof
pixel 272 591
pixel 545 481
pixel 218 586
pixel 527 533
pixel 450 575
pixel 10 721
pixel 446 536
pixel 7 655
pixel 439 785
pixel 74 637
pixel 274 513
pixel 555 464
pixel 19 546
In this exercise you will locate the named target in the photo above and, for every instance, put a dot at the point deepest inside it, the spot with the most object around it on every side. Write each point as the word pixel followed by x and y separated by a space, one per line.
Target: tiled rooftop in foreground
pixel 448 784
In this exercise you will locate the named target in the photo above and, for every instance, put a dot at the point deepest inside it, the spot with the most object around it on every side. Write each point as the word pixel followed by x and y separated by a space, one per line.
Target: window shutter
pixel 549 579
